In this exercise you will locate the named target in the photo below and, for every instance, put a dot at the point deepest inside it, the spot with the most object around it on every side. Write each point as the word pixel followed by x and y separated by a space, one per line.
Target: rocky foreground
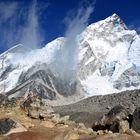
pixel 33 119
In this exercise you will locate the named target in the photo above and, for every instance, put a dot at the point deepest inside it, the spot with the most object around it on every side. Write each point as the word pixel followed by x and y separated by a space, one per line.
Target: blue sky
pixel 40 21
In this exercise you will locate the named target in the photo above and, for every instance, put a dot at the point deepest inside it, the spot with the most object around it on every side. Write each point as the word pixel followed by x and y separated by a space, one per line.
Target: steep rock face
pixel 108 62
pixel 39 80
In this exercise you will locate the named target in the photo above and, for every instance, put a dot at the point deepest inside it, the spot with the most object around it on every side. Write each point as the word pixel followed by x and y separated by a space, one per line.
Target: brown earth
pixel 55 134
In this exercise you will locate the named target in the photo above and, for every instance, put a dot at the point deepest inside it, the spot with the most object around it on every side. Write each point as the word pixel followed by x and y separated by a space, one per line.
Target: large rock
pixel 115 120
pixel 123 126
pixel 6 102
pixel 36 108
pixel 115 115
pixel 136 120
pixel 6 125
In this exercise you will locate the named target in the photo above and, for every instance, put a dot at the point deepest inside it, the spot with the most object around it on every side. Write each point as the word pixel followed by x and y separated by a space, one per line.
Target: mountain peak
pixel 111 24
pixel 116 20
pixel 115 16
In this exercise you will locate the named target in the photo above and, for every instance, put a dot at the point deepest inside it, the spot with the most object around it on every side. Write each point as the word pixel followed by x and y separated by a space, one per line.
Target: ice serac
pixel 108 62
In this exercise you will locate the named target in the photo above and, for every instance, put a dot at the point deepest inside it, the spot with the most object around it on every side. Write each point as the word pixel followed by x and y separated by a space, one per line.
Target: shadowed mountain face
pixel 40 81
pixel 108 61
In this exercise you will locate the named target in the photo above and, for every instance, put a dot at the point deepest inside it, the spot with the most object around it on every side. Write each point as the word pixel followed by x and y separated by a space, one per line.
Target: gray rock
pixel 6 102
pixel 36 108
pixel 6 125
pixel 33 114
pixel 136 120
pixel 113 120
pixel 56 118
pixel 123 126
pixel 115 115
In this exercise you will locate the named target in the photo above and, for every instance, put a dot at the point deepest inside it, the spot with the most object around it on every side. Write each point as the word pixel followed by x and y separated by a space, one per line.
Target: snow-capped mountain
pixel 109 57
pixel 108 62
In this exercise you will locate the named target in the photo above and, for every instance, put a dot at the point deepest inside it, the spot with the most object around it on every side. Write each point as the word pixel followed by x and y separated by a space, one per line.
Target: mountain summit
pixel 108 62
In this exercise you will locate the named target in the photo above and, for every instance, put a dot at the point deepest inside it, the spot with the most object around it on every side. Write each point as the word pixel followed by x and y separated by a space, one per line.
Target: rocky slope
pixel 108 62
pixel 31 118
pixel 93 108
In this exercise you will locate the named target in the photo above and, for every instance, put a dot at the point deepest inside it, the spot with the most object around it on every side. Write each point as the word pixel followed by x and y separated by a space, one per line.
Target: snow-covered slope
pixel 108 60
pixel 14 63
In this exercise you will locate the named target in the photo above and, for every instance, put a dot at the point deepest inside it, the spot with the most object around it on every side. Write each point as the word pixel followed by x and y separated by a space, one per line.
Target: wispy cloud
pixel 7 20
pixel 19 23
pixel 30 34
pixel 7 11
pixel 75 22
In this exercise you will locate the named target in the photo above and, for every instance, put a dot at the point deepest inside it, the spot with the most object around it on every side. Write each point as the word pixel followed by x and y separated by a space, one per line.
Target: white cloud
pixel 30 34
pixel 19 23
pixel 7 10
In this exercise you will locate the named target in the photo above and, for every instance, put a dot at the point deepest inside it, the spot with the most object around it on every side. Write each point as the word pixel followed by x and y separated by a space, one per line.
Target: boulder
pixel 115 115
pixel 3 100
pixel 56 118
pixel 82 129
pixel 123 126
pixel 33 113
pixel 136 120
pixel 115 120
pixel 36 108
pixel 61 120
pixel 6 102
pixel 6 125
pixel 64 119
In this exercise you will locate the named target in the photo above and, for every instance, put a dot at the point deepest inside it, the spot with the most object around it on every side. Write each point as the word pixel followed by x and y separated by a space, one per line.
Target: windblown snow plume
pixel 8 23
pixel 66 60
pixel 30 36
